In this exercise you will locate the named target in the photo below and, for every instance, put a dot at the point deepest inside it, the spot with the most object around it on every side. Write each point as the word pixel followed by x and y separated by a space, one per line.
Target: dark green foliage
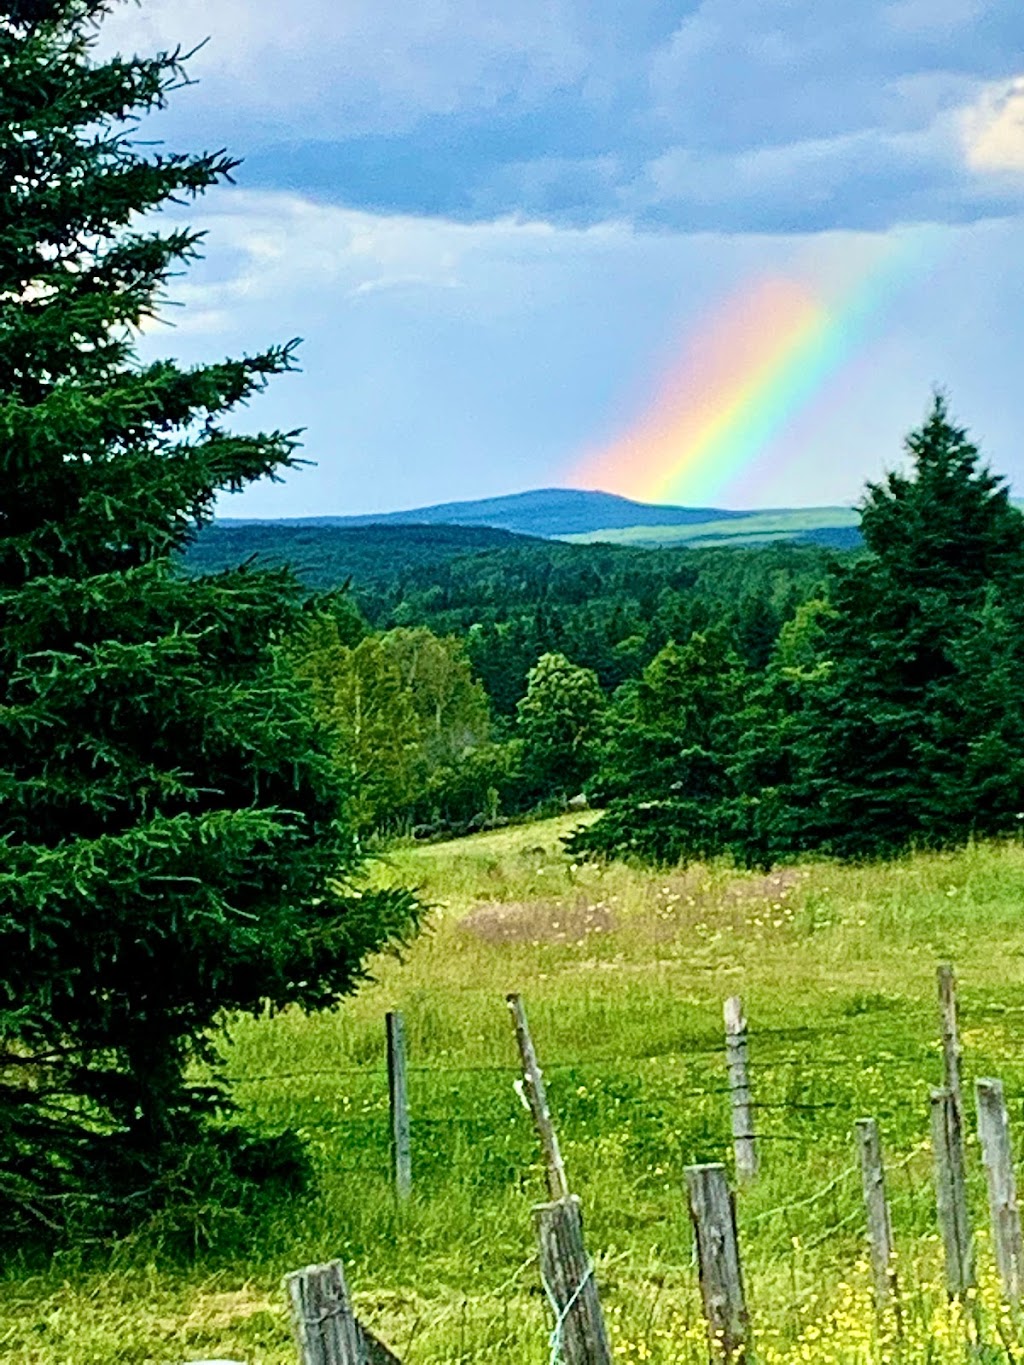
pixel 891 714
pixel 671 737
pixel 911 730
pixel 325 557
pixel 607 607
pixel 560 722
pixel 173 835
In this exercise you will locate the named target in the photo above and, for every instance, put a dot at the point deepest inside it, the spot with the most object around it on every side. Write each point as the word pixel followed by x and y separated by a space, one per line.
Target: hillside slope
pixel 325 555
pixel 624 972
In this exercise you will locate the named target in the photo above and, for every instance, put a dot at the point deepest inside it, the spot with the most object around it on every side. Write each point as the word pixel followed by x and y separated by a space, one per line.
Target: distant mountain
pixel 548 512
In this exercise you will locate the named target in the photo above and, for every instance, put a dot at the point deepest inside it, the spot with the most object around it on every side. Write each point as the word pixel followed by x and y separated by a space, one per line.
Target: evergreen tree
pixel 892 710
pixel 911 730
pixel 665 771
pixel 173 840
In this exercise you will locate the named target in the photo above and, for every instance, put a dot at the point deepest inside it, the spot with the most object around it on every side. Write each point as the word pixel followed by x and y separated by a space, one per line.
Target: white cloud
pixel 799 183
pixel 993 129
pixel 333 68
pixel 270 246
pixel 771 114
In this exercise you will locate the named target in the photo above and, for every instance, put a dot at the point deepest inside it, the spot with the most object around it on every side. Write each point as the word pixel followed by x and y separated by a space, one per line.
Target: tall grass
pixel 624 973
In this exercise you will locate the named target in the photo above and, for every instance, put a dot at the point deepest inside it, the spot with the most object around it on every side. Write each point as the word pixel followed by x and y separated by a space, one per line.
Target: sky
pixel 716 252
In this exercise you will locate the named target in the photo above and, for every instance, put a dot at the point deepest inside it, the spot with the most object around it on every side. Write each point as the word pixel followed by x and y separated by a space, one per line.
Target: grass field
pixel 756 528
pixel 623 973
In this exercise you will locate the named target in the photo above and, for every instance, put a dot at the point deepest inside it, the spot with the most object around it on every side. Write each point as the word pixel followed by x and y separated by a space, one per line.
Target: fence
pixel 328 1333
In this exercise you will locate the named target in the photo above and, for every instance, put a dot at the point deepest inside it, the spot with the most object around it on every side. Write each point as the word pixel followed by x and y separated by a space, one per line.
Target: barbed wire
pixel 618 1062
pixel 831 1230
pixel 808 1200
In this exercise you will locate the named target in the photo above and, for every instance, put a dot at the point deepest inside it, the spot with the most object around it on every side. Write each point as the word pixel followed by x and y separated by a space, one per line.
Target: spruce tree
pixel 174 843
pixel 912 732
pixel 891 715
pixel 664 775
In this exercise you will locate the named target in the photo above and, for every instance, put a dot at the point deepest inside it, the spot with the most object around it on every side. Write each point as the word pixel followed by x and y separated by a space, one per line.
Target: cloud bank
pixel 749 115
pixel 495 221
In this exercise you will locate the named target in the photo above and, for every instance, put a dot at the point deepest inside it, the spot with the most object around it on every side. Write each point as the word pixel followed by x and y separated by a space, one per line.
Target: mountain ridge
pixel 548 512
pixel 588 515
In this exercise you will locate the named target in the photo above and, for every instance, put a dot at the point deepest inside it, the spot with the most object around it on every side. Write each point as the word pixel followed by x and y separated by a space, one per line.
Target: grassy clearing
pixel 754 528
pixel 623 973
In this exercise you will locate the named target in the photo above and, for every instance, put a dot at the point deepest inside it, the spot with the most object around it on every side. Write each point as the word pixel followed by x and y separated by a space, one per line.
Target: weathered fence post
pixel 537 1098
pixel 325 1326
pixel 950 1035
pixel 997 1153
pixel 713 1211
pixel 744 1142
pixel 951 1192
pixel 579 1336
pixel 872 1169
pixel 326 1330
pixel 401 1148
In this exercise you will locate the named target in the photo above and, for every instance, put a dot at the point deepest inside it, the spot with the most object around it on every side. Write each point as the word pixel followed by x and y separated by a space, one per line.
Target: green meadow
pixel 623 972
pixel 755 528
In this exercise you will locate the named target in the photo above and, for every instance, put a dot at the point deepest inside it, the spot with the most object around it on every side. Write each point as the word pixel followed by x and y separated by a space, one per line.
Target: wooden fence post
pixel 537 1098
pixel 950 1036
pixel 951 1193
pixel 579 1336
pixel 997 1153
pixel 326 1330
pixel 872 1169
pixel 325 1326
pixel 401 1148
pixel 744 1142
pixel 713 1211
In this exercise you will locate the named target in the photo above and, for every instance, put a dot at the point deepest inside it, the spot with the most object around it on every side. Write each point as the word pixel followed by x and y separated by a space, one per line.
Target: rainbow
pixel 746 372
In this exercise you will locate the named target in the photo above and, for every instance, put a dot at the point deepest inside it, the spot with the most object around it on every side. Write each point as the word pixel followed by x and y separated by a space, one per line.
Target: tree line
pixel 890 714
pixel 492 700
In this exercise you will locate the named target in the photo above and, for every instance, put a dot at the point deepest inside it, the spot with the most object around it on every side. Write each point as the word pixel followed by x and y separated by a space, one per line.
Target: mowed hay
pixel 538 921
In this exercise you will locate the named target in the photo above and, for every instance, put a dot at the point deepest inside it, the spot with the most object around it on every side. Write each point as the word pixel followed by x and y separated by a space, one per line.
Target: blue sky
pixel 493 223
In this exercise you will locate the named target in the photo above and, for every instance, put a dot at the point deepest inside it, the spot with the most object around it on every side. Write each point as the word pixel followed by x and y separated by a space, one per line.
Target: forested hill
pixel 608 608
pixel 326 556
pixel 514 598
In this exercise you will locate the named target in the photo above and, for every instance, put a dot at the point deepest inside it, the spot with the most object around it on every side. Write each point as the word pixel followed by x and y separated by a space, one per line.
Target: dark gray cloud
pixel 744 115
